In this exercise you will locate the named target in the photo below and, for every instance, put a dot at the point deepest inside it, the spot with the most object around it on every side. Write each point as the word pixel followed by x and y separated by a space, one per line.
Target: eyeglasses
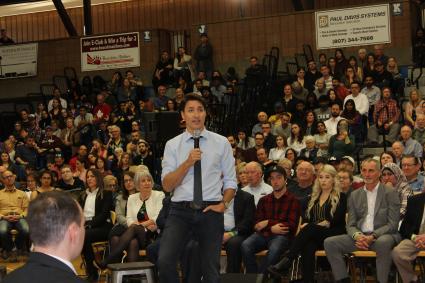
pixel 408 165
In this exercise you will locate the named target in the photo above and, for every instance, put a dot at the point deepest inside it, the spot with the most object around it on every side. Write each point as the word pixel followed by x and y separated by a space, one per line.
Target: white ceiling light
pixel 43 6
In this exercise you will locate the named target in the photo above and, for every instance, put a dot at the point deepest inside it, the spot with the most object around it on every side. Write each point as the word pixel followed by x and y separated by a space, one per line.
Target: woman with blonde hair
pixel 413 107
pixel 241 175
pixel 325 217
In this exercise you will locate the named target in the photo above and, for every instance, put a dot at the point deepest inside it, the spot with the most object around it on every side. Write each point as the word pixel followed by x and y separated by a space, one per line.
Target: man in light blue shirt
pixel 217 186
pixel 411 146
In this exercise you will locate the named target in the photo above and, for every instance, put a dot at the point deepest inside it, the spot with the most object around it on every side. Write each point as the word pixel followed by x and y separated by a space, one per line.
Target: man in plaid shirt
pixel 385 117
pixel 276 221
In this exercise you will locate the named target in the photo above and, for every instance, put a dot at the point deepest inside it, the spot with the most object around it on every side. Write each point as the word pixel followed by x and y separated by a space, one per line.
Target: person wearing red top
pixel 102 110
pixel 276 221
pixel 385 118
pixel 340 89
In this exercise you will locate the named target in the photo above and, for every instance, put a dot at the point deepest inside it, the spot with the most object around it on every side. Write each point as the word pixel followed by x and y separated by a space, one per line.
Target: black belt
pixel 191 205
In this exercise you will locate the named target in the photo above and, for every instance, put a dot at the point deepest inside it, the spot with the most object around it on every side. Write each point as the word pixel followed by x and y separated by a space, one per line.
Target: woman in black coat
pixel 97 206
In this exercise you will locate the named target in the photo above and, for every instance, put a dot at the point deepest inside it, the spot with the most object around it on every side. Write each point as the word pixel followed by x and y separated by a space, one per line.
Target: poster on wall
pixel 353 26
pixel 110 52
pixel 18 61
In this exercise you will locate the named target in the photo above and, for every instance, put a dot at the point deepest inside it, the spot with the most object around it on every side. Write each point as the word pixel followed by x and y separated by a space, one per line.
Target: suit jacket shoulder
pixel 413 218
pixel 244 212
pixel 42 268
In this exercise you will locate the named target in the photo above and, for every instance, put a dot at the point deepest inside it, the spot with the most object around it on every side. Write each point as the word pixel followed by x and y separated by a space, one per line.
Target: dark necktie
pixel 197 179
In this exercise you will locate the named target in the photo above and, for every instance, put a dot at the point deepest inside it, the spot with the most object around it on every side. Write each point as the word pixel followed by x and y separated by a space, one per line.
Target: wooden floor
pixel 12 265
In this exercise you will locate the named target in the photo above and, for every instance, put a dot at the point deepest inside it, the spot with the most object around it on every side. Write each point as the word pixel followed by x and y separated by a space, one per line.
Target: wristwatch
pixel 226 204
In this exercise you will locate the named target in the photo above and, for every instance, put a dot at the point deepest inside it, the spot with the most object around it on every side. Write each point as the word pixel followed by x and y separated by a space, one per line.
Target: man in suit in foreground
pixel 412 231
pixel 373 216
pixel 56 225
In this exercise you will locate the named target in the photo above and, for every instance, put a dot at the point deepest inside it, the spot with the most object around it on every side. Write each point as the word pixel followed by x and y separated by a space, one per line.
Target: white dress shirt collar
pixel 64 261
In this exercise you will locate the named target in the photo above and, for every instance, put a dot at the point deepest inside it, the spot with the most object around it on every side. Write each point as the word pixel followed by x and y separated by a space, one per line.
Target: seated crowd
pixel 295 163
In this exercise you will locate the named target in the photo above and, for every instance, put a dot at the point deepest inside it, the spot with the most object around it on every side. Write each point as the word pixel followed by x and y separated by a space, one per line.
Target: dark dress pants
pixel 234 254
pixel 189 262
pixel 93 235
pixel 306 243
pixel 207 229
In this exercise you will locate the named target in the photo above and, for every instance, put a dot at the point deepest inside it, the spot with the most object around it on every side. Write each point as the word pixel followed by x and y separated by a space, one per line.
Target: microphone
pixel 196 136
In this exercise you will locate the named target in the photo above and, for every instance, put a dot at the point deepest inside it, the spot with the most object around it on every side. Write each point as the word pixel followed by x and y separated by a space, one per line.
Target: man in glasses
pixel 411 167
pixel 68 182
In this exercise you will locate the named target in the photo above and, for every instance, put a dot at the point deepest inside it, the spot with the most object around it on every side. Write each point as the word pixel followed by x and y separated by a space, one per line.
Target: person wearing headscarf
pixel 393 176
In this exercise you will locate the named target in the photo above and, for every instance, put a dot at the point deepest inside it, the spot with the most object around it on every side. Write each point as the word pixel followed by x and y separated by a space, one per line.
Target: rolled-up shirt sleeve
pixel 169 164
pixel 228 166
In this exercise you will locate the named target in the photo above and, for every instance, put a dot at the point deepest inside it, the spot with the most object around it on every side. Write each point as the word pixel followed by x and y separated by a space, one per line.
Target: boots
pixel 280 268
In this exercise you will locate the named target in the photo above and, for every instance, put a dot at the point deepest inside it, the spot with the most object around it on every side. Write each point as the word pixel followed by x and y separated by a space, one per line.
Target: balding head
pixel 420 121
pixel 8 178
pixel 305 173
pixel 405 132
pixel 254 172
pixel 262 117
pixel 115 131
pixel 397 148
pixel 262 155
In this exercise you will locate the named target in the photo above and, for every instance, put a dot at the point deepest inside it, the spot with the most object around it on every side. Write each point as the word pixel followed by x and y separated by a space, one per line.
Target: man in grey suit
pixel 373 216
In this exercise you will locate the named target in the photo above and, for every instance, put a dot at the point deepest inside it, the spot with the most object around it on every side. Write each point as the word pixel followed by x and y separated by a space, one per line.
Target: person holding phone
pixel 343 143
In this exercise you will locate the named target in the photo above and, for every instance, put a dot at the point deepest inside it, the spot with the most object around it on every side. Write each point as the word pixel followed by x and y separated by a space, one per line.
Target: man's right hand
pixel 194 155
pixel 280 229
pixel 363 242
pixel 420 241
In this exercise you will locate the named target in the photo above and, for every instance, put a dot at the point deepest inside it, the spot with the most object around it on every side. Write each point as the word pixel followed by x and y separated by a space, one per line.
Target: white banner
pixel 353 26
pixel 110 52
pixel 18 61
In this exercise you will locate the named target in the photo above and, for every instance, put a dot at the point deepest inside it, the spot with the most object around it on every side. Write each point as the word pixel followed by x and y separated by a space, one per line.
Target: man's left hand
pixel 226 237
pixel 220 208
pixel 14 218
pixel 152 227
pixel 364 242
